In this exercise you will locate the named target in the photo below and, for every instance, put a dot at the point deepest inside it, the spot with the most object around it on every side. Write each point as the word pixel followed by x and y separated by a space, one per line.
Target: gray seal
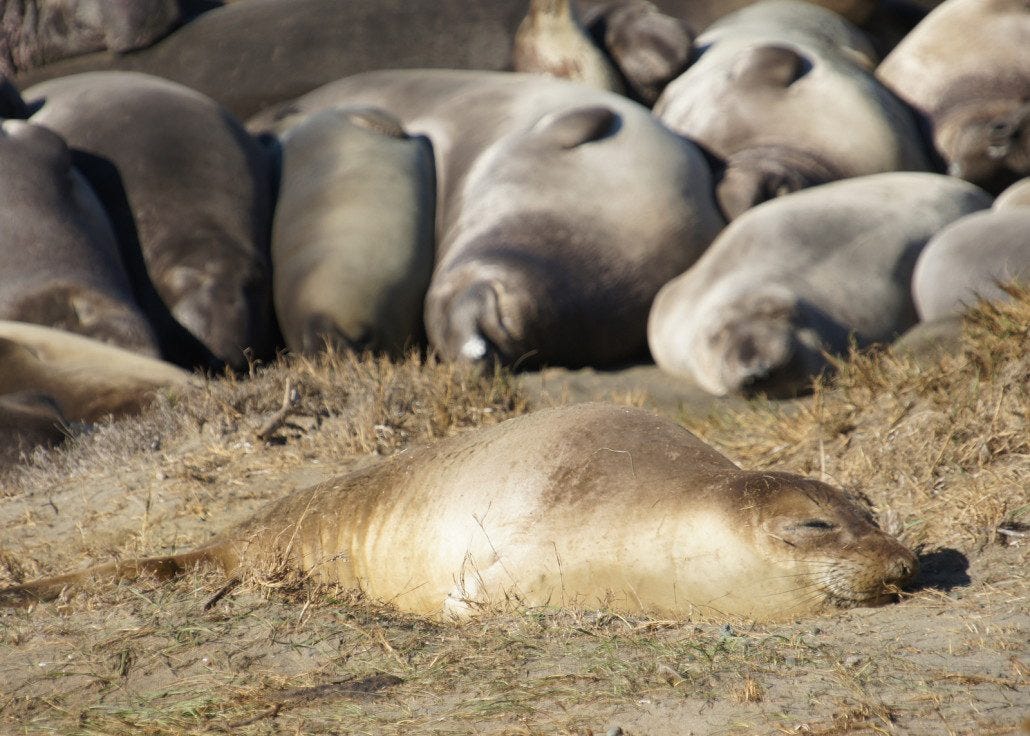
pixel 803 275
pixel 543 255
pixel 352 240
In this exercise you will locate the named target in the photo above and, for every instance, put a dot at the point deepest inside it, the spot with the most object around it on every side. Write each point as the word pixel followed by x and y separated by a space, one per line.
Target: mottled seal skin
pixel 780 95
pixel 38 32
pixel 552 40
pixel 589 505
pixel 58 253
pixel 88 379
pixel 970 259
pixel 183 180
pixel 352 240
pixel 543 254
pixel 803 275
pixel 28 420
pixel 1017 195
pixel 965 69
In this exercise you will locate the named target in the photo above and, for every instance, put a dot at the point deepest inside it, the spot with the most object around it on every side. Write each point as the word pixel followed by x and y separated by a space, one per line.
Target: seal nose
pixel 903 568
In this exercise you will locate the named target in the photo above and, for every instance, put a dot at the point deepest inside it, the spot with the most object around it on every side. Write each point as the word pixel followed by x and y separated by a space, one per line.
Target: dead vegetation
pixel 942 452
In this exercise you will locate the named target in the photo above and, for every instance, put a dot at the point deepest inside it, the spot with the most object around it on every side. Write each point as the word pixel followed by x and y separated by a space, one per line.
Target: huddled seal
pixel 59 258
pixel 543 254
pixel 87 379
pixel 36 32
pixel 803 275
pixel 970 259
pixel 966 70
pixel 28 420
pixel 187 188
pixel 578 506
pixel 778 96
pixel 352 239
pixel 551 40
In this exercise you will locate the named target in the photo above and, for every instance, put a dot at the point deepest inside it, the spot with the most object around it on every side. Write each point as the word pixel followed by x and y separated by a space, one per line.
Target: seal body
pixel 970 259
pixel 352 242
pixel 801 275
pixel 966 70
pixel 580 506
pixel 542 254
pixel 773 92
pixel 187 189
pixel 58 254
pixel 87 379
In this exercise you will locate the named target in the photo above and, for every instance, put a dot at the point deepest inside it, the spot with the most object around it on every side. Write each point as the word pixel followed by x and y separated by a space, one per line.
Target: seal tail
pixel 163 568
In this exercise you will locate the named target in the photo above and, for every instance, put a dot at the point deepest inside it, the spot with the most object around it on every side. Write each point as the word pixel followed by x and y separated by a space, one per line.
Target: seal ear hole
pixel 572 128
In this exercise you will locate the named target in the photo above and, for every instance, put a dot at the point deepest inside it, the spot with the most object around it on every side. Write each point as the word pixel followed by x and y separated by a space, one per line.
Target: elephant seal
pixel 188 191
pixel 1017 195
pixel 88 379
pixel 578 506
pixel 774 86
pixel 803 275
pixel 28 420
pixel 37 32
pixel 543 254
pixel 551 40
pixel 966 70
pixel 352 238
pixel 970 259
pixel 58 253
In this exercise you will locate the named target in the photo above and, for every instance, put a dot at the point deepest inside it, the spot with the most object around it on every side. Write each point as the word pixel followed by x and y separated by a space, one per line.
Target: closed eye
pixel 817 524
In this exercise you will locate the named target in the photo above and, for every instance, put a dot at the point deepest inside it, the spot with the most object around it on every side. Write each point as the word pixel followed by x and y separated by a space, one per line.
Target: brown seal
pixel 965 68
pixel 88 379
pixel 578 506
pixel 58 254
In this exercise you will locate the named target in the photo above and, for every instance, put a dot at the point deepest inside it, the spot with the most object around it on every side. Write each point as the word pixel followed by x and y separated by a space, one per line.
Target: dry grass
pixel 941 451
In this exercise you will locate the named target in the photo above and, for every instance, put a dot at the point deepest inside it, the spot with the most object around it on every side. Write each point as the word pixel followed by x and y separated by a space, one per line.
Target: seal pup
pixel 584 505
pixel 970 260
pixel 187 188
pixel 543 254
pixel 802 275
pixel 352 238
pixel 772 91
pixel 965 69
pixel 88 379
pixel 58 254
pixel 551 40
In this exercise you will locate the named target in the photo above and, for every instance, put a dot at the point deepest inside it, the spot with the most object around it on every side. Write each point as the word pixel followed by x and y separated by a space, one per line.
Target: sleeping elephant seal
pixel 966 70
pixel 37 32
pixel 551 40
pixel 585 505
pixel 801 275
pixel 352 240
pixel 59 261
pixel 88 379
pixel 187 188
pixel 778 96
pixel 561 209
pixel 971 259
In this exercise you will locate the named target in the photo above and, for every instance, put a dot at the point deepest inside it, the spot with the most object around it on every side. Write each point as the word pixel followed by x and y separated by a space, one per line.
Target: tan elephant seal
pixel 1017 195
pixel 578 506
pixel 561 209
pixel 965 68
pixel 551 40
pixel 88 379
pixel 352 238
pixel 59 258
pixel 772 94
pixel 189 192
pixel 970 260
pixel 801 276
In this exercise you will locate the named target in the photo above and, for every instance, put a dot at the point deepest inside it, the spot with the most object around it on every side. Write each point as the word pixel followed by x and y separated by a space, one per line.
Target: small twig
pixel 290 401
pixel 221 593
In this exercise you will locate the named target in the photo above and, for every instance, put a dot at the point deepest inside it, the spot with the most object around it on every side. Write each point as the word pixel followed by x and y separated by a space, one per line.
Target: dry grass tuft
pixel 942 451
